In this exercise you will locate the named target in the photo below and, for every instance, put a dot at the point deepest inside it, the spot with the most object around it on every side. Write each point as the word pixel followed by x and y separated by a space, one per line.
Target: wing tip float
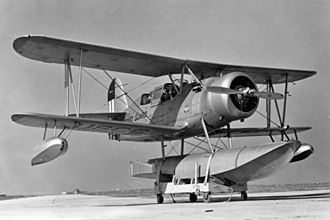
pixel 54 50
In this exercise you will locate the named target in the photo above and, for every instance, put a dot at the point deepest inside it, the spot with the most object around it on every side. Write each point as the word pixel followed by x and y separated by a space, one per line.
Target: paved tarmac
pixel 284 205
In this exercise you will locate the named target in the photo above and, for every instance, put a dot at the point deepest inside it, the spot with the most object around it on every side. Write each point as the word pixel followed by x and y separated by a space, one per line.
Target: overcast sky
pixel 284 34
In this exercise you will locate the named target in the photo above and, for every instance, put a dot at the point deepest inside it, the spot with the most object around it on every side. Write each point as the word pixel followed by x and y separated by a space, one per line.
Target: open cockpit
pixel 163 93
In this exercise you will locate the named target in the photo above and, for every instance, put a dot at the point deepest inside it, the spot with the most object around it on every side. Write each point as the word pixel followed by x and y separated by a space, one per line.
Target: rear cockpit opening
pixel 145 99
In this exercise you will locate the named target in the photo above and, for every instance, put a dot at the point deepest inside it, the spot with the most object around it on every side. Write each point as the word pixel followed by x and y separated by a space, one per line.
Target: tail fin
pixel 117 97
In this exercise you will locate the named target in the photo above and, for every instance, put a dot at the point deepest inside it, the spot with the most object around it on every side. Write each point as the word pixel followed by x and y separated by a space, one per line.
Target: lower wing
pixel 96 125
pixel 248 132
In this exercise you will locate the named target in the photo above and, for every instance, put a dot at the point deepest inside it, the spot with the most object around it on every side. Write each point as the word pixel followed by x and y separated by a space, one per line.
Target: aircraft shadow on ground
pixel 233 199
pixel 275 197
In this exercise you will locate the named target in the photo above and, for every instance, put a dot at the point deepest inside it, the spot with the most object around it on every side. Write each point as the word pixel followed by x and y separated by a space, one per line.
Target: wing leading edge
pixel 249 132
pixel 52 50
pixel 127 129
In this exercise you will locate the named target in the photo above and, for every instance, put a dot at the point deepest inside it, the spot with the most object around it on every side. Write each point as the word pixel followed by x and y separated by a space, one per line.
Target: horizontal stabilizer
pixel 143 170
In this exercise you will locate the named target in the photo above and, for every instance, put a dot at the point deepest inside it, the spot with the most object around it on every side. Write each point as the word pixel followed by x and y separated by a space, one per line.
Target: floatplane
pixel 202 108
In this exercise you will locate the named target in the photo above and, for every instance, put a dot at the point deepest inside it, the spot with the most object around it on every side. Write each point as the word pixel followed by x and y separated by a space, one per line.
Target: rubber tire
pixel 207 197
pixel 244 195
pixel 160 198
pixel 192 197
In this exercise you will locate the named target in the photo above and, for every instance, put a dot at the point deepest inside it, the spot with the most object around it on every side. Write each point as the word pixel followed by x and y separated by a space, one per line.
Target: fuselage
pixel 186 106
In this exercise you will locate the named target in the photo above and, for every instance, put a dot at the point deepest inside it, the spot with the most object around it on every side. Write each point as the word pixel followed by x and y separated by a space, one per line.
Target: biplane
pixel 201 108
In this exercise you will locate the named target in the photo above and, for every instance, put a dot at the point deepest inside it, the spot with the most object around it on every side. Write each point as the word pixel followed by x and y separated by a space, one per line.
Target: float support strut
pixel 230 143
pixel 163 148
pixel 207 135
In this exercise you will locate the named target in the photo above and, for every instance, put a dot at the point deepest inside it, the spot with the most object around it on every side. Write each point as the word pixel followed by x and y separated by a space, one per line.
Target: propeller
pixel 246 91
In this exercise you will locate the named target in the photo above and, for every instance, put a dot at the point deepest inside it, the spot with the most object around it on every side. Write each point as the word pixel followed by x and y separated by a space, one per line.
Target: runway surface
pixel 284 205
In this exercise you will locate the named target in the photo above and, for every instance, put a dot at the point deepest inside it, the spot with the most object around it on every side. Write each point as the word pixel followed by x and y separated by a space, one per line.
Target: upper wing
pixel 52 50
pixel 96 125
pixel 248 132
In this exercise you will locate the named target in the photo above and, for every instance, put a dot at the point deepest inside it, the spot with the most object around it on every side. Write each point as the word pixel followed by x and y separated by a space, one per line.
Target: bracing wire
pixel 126 93
pixel 93 77
pixel 203 141
pixel 216 144
pixel 196 146
pixel 173 146
pixel 145 82
pixel 264 116
pixel 129 97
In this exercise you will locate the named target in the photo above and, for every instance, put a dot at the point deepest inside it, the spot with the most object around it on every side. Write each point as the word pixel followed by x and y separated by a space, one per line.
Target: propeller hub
pixel 244 101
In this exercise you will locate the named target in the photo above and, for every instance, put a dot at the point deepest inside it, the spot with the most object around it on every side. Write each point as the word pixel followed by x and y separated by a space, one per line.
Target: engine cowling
pixel 234 106
pixel 48 150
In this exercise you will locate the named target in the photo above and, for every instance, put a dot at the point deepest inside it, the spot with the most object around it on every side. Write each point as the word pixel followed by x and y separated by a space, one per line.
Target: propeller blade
pixel 223 90
pixel 268 95
pixel 252 92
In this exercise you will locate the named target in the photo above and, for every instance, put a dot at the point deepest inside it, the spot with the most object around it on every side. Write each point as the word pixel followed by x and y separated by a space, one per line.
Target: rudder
pixel 116 96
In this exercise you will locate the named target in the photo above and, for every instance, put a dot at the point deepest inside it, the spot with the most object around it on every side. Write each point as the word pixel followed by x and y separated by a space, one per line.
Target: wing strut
pixel 268 104
pixel 182 147
pixel 285 100
pixel 181 79
pixel 45 132
pixel 68 77
pixel 276 105
pixel 281 119
pixel 79 82
pixel 193 75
